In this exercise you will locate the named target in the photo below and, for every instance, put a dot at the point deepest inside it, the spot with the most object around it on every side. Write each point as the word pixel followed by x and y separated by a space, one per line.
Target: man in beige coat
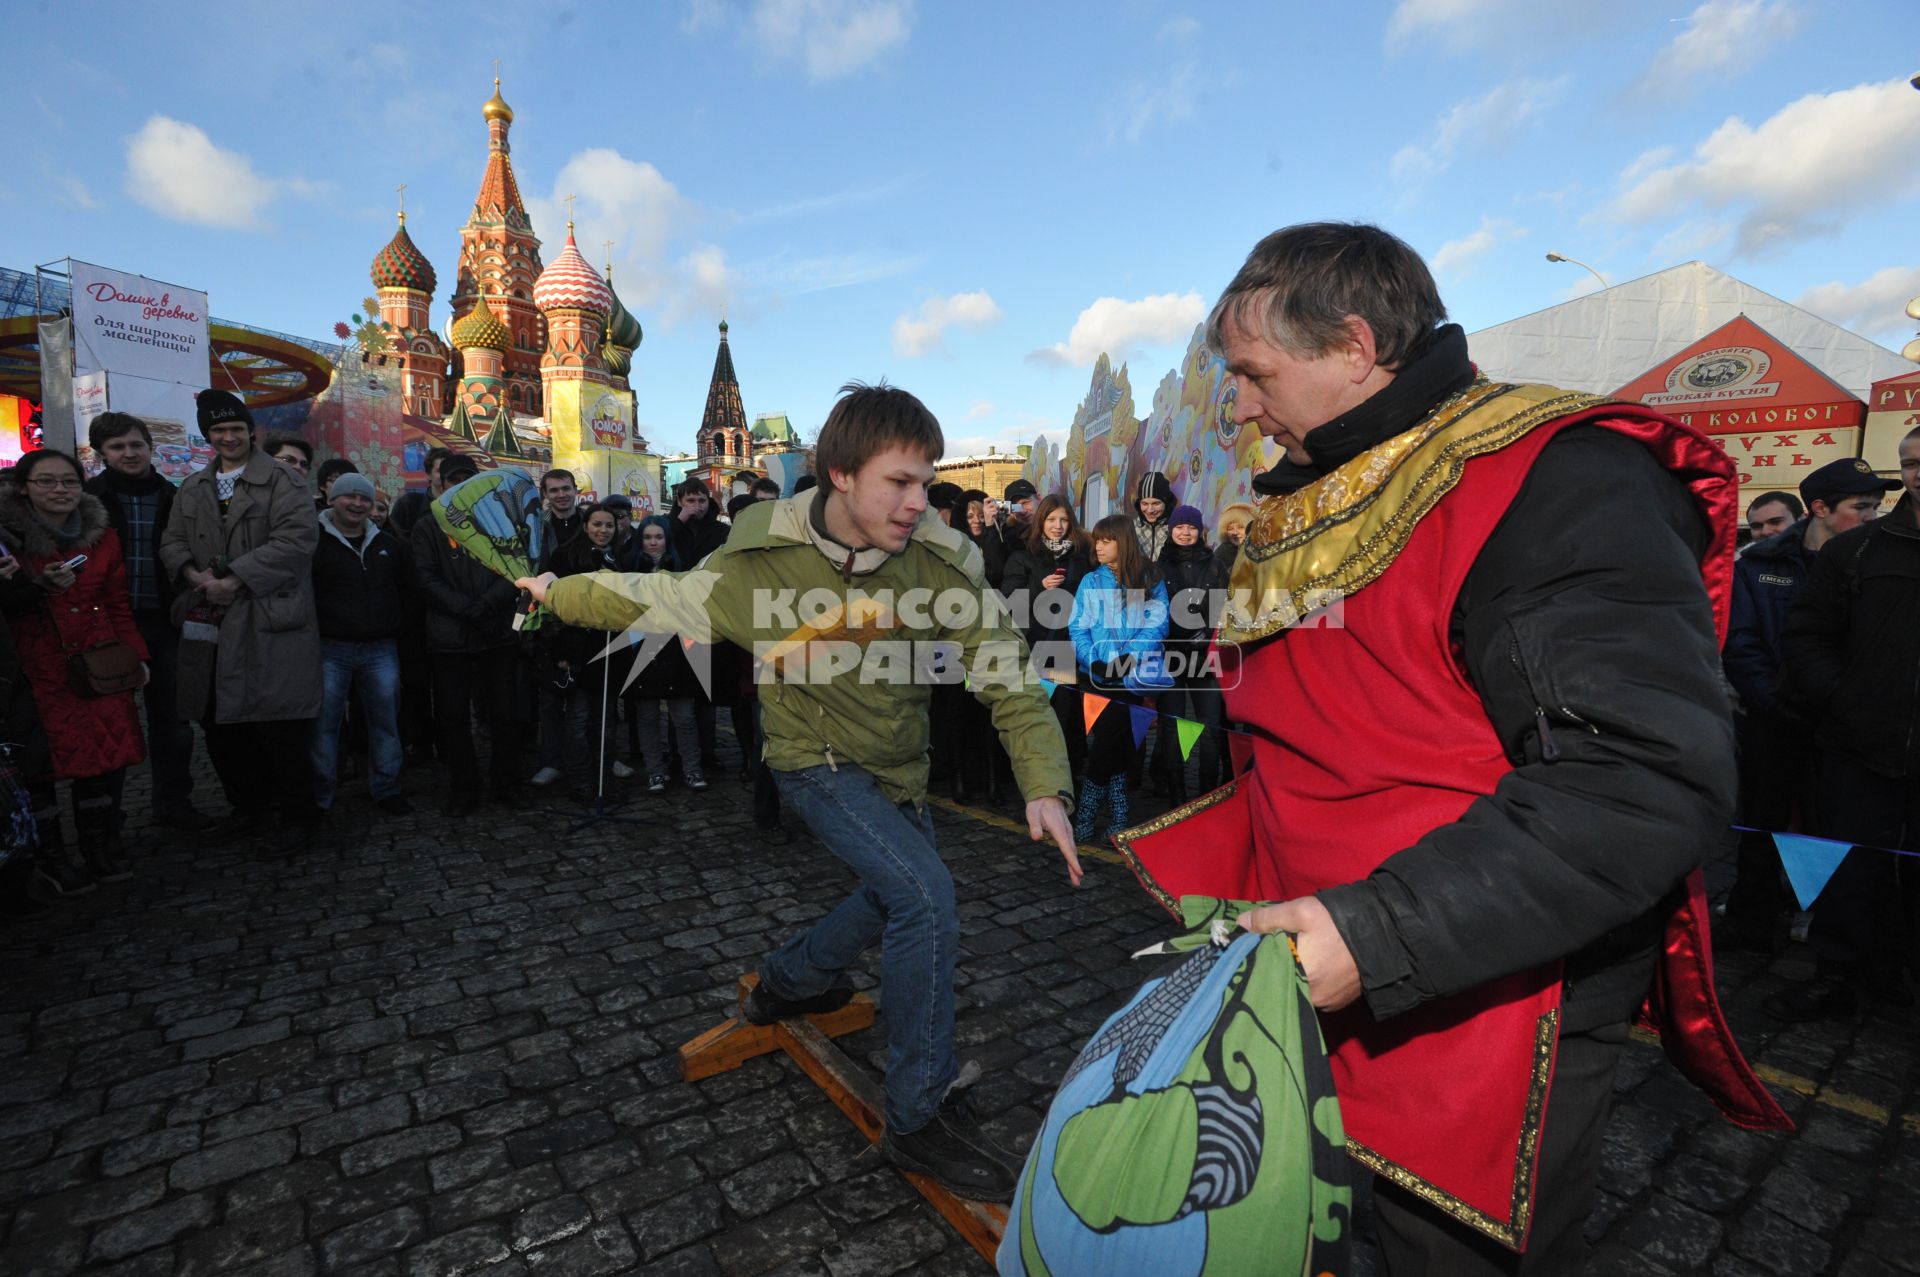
pixel 239 549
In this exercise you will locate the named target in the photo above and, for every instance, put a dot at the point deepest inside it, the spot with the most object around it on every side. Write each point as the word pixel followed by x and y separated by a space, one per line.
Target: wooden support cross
pixel 808 1042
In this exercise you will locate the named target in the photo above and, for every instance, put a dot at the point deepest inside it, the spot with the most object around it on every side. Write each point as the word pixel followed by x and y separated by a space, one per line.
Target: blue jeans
pixel 905 901
pixel 373 670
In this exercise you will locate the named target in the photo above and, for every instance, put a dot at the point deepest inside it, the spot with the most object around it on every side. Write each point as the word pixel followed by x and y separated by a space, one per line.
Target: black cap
pixel 1020 490
pixel 618 503
pixel 941 496
pixel 215 406
pixel 1844 479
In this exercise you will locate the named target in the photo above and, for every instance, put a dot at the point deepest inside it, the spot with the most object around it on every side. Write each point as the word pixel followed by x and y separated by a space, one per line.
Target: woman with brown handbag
pixel 82 656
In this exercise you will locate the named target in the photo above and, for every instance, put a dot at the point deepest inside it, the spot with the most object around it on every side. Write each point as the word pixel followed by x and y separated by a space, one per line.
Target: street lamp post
pixel 1562 257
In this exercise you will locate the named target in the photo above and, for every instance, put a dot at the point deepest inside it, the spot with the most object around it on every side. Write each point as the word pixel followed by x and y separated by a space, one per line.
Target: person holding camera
pixel 83 657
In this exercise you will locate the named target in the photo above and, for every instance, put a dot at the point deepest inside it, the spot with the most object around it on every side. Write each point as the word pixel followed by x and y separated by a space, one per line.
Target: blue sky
pixel 972 200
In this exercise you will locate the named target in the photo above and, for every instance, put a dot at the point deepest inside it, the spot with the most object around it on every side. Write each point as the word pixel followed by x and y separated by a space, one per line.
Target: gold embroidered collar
pixel 1308 549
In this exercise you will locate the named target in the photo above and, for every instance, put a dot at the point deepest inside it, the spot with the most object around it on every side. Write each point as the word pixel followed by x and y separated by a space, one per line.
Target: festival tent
pixel 1606 339
pixel 1777 415
pixel 1893 408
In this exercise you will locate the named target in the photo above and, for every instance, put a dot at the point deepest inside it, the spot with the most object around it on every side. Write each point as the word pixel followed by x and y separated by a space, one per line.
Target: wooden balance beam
pixel 808 1041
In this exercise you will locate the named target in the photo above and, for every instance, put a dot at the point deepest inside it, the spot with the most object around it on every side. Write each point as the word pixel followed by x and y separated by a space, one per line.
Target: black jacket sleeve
pixel 1586 631
pixel 1814 640
pixel 1746 659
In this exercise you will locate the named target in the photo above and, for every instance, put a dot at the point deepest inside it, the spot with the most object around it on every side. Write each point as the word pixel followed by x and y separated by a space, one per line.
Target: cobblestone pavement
pixel 446 1047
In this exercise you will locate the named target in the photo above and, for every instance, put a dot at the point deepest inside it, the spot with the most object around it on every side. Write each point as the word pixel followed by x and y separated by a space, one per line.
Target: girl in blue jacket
pixel 1119 623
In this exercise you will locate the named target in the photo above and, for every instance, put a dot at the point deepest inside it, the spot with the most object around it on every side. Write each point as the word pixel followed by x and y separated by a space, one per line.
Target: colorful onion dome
pixel 568 283
pixel 496 107
pixel 478 328
pixel 622 328
pixel 401 265
pixel 618 359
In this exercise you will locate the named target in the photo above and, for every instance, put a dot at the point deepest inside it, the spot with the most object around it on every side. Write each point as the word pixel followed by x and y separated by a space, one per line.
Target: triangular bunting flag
pixel 1240 747
pixel 1051 687
pixel 1142 720
pixel 1091 707
pixel 1188 732
pixel 1809 862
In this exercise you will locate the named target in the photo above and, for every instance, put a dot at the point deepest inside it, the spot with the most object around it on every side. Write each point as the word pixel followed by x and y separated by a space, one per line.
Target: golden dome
pixel 496 107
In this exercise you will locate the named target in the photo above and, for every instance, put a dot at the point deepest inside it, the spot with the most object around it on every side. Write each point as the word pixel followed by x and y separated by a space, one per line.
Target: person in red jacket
pixel 47 522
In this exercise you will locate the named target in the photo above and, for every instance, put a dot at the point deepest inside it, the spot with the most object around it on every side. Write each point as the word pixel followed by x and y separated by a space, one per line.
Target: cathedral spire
pixel 723 427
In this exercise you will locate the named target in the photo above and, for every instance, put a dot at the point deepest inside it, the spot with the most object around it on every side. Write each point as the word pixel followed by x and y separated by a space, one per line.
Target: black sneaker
pixel 656 784
pixel 61 876
pixel 103 864
pixel 237 827
pixel 949 1151
pixel 1821 997
pixel 185 817
pixel 762 1007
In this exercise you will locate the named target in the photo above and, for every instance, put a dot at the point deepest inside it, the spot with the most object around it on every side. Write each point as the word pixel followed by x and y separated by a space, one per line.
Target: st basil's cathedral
pixel 533 341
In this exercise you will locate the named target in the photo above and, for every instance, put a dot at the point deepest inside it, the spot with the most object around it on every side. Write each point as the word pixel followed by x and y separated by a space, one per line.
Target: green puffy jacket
pixel 852 644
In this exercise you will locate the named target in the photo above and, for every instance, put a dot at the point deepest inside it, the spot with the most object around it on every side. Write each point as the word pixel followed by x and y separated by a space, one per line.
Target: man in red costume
pixel 1477 626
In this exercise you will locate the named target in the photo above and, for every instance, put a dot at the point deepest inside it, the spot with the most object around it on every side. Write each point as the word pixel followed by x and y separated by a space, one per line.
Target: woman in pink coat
pixel 45 522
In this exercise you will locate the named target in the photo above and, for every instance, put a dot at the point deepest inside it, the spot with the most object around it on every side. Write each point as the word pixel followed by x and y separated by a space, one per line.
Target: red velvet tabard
pixel 1367 736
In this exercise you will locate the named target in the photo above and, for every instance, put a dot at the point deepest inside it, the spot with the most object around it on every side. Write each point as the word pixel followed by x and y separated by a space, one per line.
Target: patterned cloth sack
pixel 1197 1133
pixel 19 832
pixel 495 517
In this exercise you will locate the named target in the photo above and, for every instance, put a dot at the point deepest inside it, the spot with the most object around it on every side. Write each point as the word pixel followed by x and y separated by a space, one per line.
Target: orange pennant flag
pixel 1091 707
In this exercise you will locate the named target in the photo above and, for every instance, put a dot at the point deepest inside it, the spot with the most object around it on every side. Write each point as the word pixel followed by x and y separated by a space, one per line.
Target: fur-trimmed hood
pixel 27 535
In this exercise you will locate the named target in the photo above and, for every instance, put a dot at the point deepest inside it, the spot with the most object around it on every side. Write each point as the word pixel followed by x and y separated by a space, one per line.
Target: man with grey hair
pixel 1480 798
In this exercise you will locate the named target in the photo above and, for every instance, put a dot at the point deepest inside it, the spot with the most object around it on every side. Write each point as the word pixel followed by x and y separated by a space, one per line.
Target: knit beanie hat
pixel 215 406
pixel 350 485
pixel 1153 484
pixel 1187 514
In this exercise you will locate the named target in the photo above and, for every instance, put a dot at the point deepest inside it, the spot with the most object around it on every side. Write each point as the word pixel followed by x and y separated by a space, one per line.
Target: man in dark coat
pixel 239 547
pixel 1478 795
pixel 469 640
pixel 139 501
pixel 695 523
pixel 362 583
pixel 1776 748
pixel 1852 643
pixel 1007 531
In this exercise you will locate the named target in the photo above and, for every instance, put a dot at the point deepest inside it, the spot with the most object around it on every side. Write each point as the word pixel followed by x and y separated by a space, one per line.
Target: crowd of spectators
pixel 312 648
pixel 1823 655
pixel 358 642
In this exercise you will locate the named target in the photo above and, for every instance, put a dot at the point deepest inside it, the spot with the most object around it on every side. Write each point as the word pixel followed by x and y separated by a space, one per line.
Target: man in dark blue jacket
pixel 1776 747
pixel 361 582
pixel 1852 642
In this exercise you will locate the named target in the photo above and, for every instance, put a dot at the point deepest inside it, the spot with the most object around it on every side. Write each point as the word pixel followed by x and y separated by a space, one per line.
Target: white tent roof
pixel 1600 342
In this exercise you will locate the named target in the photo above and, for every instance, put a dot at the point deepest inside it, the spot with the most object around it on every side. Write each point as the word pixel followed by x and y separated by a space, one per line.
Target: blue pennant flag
pixel 1809 862
pixel 1142 720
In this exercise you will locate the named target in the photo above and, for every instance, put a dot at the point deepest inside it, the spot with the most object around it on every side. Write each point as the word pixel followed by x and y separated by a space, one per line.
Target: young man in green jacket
pixel 859 600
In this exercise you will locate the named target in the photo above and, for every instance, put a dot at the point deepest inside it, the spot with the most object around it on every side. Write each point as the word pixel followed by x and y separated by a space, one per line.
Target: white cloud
pixel 704 286
pixel 1456 257
pixel 831 38
pixel 1114 328
pixel 1456 23
pixel 1489 120
pixel 176 170
pixel 1876 306
pixel 1160 99
pixel 979 408
pixel 1800 172
pixel 924 333
pixel 1721 39
pixel 627 201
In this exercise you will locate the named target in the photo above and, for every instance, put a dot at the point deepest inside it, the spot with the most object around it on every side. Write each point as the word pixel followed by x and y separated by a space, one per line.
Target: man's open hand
pixel 1333 981
pixel 1047 818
